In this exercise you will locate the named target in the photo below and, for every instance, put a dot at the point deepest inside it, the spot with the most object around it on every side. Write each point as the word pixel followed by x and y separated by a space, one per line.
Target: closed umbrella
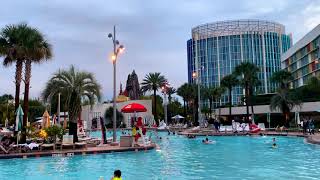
pixel 45 119
pixel 18 125
pixel 6 122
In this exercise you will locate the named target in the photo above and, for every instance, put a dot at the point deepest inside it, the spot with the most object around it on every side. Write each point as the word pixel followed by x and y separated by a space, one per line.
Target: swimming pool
pixel 181 158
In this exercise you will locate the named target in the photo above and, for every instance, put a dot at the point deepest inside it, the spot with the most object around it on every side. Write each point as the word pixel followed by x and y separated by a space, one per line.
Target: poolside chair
pixel 3 149
pixel 229 129
pixel 222 128
pixel 81 144
pixel 49 145
pixel 67 140
pixel 262 126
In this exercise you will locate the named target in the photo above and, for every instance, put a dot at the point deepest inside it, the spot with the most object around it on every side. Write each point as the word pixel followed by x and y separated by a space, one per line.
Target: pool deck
pixel 72 152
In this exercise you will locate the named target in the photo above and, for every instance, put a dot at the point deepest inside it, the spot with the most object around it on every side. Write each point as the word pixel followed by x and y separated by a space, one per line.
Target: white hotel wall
pixel 98 110
pixel 263 109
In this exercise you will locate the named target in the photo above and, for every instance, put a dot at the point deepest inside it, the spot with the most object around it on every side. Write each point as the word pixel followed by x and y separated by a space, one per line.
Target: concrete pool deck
pixel 72 152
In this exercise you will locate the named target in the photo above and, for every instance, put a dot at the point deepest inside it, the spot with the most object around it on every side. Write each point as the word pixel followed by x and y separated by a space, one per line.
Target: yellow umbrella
pixel 45 119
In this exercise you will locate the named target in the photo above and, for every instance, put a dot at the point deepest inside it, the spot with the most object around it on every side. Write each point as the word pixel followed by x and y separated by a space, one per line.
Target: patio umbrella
pixel 19 117
pixel 177 117
pixel 65 121
pixel 133 108
pixel 297 117
pixel 45 119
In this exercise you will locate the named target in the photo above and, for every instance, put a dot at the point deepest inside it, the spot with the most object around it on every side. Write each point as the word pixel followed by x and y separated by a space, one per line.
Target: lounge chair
pixel 51 145
pixel 262 126
pixel 3 149
pixel 222 128
pixel 81 144
pixel 67 140
pixel 229 129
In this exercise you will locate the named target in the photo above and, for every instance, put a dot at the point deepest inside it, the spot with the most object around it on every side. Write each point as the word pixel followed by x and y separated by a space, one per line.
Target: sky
pixel 154 33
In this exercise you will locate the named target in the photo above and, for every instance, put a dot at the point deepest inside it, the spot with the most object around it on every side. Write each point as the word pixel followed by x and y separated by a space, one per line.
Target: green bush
pixel 54 132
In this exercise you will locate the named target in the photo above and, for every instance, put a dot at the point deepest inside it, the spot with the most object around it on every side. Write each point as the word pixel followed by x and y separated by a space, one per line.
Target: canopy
pixel 177 117
pixel 133 107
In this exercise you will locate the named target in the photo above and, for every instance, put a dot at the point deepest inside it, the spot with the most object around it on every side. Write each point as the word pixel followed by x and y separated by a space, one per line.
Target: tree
pixel 170 92
pixel 188 92
pixel 314 83
pixel 248 79
pixel 282 77
pixel 210 93
pixel 13 47
pixel 6 109
pixel 284 101
pixel 38 50
pixel 76 86
pixel 152 82
pixel 182 91
pixel 217 94
pixel 228 82
pixel 108 116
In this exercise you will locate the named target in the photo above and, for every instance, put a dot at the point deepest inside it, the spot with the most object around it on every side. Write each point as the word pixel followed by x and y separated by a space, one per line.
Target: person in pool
pixel 274 145
pixel 116 175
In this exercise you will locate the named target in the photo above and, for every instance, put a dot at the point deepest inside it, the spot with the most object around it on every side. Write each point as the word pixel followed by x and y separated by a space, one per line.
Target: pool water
pixel 180 158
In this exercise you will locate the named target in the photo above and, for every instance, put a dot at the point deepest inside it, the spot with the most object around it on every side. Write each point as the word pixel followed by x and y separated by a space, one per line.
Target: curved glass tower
pixel 217 48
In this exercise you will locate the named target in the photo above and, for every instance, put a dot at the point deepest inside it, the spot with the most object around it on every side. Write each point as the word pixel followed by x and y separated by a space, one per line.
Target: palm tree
pixel 13 47
pixel 76 86
pixel 152 82
pixel 284 101
pixel 170 92
pixel 248 79
pixel 282 77
pixel 212 94
pixel 38 50
pixel 182 91
pixel 314 83
pixel 228 82
pixel 217 95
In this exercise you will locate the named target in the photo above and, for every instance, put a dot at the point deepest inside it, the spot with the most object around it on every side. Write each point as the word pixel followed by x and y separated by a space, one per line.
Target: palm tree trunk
pixel 230 103
pixel 26 98
pixel 210 107
pixel 184 108
pixel 219 109
pixel 74 111
pixel 155 106
pixel 251 103
pixel 246 100
pixel 18 75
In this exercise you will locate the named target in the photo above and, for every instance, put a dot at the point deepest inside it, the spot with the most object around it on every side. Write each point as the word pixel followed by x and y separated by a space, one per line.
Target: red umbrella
pixel 133 107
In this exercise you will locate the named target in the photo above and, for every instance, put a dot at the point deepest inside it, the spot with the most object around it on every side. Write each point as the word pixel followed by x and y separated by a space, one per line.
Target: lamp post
pixel 58 109
pixel 116 50
pixel 164 91
pixel 196 77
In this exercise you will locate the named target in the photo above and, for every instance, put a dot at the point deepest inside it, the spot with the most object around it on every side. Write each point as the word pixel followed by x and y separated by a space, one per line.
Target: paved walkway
pixel 72 152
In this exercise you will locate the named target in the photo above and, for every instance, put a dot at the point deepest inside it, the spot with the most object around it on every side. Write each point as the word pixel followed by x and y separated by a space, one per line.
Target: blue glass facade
pixel 217 54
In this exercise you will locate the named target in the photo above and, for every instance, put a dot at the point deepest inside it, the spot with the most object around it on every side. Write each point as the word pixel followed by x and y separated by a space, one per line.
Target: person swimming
pixel 207 141
pixel 116 175
pixel 274 145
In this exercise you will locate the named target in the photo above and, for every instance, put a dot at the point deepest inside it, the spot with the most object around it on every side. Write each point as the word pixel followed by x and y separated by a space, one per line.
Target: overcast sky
pixel 153 32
